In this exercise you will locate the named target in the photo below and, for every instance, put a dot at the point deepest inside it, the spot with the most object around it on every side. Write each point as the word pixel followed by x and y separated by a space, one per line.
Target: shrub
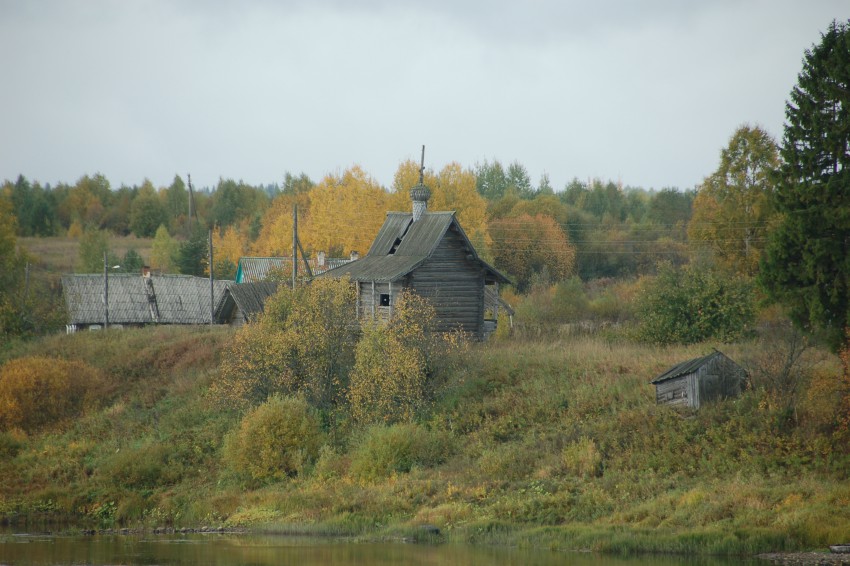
pixel 38 392
pixel 400 365
pixel 693 304
pixel 570 301
pixel 508 461
pixel 330 465
pixel 11 442
pixel 388 381
pixel 318 318
pixel 582 458
pixel 259 362
pixel 385 450
pixel 146 466
pixel 274 441
pixel 304 344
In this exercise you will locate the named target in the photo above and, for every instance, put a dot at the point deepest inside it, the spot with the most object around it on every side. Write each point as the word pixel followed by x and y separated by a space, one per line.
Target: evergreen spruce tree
pixel 807 264
pixel 192 258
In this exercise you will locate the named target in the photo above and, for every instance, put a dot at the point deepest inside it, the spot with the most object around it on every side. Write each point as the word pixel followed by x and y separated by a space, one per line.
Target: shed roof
pixel 492 299
pixel 249 297
pixel 170 299
pixel 252 269
pixel 689 366
pixel 402 245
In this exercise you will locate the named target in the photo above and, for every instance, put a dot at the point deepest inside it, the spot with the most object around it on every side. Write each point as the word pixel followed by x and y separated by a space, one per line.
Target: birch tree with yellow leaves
pixel 346 212
pixel 229 245
pixel 453 188
pixel 275 238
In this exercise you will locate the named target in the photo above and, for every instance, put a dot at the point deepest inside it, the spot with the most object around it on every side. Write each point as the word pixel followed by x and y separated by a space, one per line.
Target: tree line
pixel 770 211
pixel 593 229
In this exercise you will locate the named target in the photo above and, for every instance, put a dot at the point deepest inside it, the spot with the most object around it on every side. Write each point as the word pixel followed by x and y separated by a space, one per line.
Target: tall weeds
pixel 553 442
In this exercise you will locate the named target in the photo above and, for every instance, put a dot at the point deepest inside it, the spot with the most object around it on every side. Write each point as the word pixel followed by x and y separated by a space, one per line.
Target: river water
pixel 261 550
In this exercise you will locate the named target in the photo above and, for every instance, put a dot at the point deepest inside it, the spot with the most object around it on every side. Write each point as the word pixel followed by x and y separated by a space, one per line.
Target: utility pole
pixel 304 259
pixel 294 244
pixel 105 292
pixel 212 293
pixel 27 282
pixel 191 204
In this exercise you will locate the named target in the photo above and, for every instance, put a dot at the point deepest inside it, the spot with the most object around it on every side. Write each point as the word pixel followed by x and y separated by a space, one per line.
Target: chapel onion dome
pixel 420 193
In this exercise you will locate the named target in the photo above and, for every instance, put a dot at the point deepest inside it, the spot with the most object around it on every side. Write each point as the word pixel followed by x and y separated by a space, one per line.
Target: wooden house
pixel 245 302
pixel 138 300
pixel 695 382
pixel 428 253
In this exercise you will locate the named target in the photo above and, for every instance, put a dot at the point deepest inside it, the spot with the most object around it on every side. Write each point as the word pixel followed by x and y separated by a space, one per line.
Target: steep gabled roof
pixel 164 299
pixel 402 245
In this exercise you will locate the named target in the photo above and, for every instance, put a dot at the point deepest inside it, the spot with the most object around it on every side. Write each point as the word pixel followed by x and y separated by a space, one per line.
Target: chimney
pixel 320 259
pixel 355 255
pixel 419 195
pixel 146 271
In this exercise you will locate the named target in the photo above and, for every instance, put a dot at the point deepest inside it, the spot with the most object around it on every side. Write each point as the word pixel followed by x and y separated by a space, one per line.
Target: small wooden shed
pixel 430 254
pixel 244 302
pixel 695 382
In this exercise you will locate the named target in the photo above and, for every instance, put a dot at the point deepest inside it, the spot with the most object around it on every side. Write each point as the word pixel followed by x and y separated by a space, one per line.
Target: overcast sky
pixel 646 92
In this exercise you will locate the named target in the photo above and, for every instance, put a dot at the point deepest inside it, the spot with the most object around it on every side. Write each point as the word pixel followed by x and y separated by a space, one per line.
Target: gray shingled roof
pixel 687 367
pixel 164 299
pixel 402 245
pixel 253 269
pixel 249 297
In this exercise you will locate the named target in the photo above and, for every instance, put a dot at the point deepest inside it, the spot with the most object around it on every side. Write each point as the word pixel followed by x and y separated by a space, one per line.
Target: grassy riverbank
pixel 554 443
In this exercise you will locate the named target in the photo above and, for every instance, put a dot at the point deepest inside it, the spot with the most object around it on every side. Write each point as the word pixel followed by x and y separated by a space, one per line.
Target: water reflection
pixel 233 550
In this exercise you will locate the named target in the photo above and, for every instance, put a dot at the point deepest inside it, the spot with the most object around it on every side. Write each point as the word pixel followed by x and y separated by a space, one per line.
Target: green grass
pixel 59 254
pixel 550 443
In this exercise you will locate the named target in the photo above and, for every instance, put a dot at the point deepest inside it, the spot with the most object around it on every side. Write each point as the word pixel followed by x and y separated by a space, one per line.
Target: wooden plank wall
pixel 673 392
pixel 454 285
pixel 370 301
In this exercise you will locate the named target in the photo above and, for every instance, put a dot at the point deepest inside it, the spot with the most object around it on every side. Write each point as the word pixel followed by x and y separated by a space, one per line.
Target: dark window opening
pixel 385 300
pixel 395 246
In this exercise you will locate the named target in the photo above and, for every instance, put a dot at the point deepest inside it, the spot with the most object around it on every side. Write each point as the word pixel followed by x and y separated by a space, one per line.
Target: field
pixel 59 254
pixel 552 442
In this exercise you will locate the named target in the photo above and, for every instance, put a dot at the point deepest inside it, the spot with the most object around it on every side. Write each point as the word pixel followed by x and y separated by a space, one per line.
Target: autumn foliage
pixel 340 214
pixel 307 343
pixel 274 441
pixel 452 188
pixel 37 393
pixel 400 365
pixel 524 245
pixel 304 343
